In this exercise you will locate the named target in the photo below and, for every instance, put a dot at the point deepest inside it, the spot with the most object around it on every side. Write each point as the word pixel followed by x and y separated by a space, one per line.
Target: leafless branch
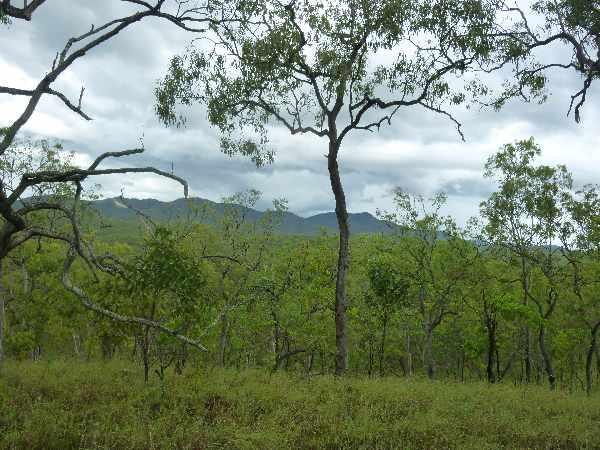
pixel 87 302
pixel 23 13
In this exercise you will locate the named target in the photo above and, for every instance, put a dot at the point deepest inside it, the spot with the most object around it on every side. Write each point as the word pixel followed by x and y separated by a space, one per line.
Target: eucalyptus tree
pixel 243 243
pixel 496 300
pixel 389 285
pixel 329 69
pixel 167 283
pixel 437 260
pixel 580 245
pixel 525 216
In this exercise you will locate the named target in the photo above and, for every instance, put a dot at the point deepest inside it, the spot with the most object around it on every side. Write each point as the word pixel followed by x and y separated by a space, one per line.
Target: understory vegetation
pixel 497 300
pixel 69 404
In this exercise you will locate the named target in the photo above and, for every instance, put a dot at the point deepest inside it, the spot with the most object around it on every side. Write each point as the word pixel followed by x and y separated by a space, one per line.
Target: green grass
pixel 63 405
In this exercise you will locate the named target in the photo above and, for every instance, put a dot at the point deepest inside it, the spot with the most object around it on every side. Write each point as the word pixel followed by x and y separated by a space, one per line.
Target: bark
pixel 2 300
pixel 223 340
pixel 408 353
pixel 491 325
pixel 107 346
pixel 146 353
pixel 429 360
pixel 341 212
pixel 382 344
pixel 527 332
pixel 590 357
pixel 310 361
pixel 492 351
pixel 547 360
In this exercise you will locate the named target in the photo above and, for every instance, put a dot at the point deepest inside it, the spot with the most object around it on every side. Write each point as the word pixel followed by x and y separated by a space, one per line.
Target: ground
pixel 84 405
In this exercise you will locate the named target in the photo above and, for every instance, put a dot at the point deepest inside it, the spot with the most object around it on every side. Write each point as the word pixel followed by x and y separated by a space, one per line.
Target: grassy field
pixel 64 405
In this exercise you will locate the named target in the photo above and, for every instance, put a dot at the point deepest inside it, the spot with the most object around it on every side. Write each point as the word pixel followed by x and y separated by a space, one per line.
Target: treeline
pixel 511 296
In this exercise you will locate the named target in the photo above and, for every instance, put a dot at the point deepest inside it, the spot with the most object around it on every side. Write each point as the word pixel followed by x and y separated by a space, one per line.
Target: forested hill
pixel 208 211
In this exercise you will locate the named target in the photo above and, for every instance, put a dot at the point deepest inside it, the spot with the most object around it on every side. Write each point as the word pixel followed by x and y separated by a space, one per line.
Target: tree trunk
pixel 490 325
pixel 590 358
pixel 546 358
pixel 2 300
pixel 341 339
pixel 382 344
pixel 146 353
pixel 527 332
pixel 106 346
pixel 408 353
pixel 223 340
pixel 370 369
pixel 76 344
pixel 492 351
pixel 429 360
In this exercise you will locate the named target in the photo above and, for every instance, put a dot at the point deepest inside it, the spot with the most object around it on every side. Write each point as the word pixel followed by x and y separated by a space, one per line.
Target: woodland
pixel 217 327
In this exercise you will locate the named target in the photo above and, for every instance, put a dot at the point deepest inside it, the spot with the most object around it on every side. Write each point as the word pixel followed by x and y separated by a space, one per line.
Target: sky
pixel 420 152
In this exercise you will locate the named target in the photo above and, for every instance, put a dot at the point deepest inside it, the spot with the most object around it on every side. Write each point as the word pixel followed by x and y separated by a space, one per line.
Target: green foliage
pixel 300 65
pixel 389 285
pixel 165 269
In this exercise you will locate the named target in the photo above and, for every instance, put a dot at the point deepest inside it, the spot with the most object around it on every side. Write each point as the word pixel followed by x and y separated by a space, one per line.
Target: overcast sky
pixel 420 152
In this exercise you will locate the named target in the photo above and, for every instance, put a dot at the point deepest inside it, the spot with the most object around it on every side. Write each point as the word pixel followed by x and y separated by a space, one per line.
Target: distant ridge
pixel 114 208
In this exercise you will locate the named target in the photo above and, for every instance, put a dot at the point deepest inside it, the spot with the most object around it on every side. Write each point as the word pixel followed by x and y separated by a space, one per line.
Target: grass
pixel 64 405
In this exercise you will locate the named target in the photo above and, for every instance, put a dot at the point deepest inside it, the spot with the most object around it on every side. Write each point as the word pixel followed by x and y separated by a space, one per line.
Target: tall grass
pixel 64 405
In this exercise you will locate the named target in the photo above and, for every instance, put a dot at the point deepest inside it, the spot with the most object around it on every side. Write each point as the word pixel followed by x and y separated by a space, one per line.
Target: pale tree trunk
pixel 76 344
pixel 590 357
pixel 341 212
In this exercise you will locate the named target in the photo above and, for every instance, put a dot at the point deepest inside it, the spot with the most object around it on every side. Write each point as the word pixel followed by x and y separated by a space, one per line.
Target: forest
pixel 221 327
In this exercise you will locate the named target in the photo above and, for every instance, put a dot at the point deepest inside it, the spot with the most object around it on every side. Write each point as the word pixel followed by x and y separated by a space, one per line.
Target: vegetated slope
pixel 72 404
pixel 198 209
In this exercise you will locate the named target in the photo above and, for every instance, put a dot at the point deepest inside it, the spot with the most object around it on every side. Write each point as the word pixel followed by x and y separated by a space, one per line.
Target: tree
pixel 18 180
pixel 525 216
pixel 390 287
pixel 580 245
pixel 496 300
pixel 168 285
pixel 329 69
pixel 438 259
pixel 243 243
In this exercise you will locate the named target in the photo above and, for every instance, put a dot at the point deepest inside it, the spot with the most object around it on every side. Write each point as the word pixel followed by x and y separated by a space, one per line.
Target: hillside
pixel 123 212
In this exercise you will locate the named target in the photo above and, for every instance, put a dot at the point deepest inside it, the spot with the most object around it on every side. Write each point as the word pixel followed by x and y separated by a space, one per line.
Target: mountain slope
pixel 196 208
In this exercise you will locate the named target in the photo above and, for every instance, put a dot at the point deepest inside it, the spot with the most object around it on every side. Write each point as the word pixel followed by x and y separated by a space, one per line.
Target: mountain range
pixel 129 209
